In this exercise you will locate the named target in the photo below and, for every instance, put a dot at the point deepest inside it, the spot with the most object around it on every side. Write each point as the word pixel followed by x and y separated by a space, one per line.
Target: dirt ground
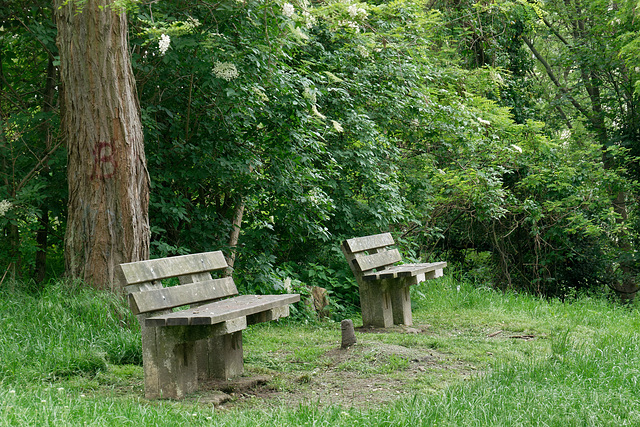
pixel 368 373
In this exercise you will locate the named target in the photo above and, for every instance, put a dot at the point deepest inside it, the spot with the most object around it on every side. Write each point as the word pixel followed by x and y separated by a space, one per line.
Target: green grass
pixel 71 357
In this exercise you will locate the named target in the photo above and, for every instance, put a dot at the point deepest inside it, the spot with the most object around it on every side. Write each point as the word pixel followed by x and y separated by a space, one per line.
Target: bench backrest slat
pixel 377 260
pixel 367 243
pixel 176 296
pixel 158 269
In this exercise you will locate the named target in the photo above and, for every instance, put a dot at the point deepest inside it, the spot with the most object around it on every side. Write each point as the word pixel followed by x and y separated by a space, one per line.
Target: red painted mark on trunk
pixel 104 163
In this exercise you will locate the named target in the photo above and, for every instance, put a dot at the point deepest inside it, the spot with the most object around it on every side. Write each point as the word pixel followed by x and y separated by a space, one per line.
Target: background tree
pixel 31 172
pixel 274 130
pixel 107 221
pixel 578 46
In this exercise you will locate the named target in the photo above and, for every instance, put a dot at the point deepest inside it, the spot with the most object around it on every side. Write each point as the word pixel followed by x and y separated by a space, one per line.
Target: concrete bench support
pixel 202 340
pixel 385 297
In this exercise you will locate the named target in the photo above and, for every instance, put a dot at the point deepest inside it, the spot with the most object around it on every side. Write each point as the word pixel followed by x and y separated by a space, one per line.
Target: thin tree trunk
pixel 107 220
pixel 234 236
pixel 42 235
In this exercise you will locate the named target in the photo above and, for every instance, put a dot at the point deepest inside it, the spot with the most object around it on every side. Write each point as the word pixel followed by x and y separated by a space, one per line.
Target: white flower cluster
pixel 314 110
pixel 261 95
pixel 288 10
pixel 363 51
pixel 5 206
pixel 350 24
pixel 225 70
pixel 337 126
pixel 311 96
pixel 309 19
pixel 163 44
pixel 191 24
pixel 357 12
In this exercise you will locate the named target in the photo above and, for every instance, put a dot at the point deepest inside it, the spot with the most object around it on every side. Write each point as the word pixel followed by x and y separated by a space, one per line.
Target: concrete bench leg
pixel 169 363
pixel 375 303
pixel 401 302
pixel 221 356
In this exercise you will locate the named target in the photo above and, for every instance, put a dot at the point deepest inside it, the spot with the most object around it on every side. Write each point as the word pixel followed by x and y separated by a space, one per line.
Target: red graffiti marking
pixel 104 163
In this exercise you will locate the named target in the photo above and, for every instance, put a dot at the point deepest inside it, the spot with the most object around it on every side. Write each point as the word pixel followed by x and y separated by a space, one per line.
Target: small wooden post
pixel 348 334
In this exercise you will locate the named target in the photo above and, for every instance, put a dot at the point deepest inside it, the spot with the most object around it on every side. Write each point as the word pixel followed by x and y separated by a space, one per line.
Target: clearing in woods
pixel 383 366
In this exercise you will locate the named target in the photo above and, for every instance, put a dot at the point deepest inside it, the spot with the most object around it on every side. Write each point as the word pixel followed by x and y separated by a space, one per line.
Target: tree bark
pixel 108 220
pixel 234 236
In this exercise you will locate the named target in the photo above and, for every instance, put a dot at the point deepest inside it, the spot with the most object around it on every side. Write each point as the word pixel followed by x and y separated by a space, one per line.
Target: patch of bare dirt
pixel 368 373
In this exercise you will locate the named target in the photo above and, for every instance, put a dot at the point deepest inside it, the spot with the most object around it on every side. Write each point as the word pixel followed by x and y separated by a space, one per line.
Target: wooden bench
pixel 384 286
pixel 202 341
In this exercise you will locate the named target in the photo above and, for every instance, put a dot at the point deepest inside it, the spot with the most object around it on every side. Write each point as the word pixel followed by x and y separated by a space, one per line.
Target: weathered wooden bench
pixel 202 341
pixel 384 286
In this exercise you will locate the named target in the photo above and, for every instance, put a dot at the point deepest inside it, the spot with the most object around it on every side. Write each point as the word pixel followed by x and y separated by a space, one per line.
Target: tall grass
pixel 63 353
pixel 64 330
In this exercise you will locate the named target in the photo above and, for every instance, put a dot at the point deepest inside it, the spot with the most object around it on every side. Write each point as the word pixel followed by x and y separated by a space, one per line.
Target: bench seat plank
pixel 220 311
pixel 404 270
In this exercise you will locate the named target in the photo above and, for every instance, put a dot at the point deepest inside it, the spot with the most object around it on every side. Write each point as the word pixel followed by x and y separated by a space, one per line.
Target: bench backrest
pixel 147 294
pixel 370 252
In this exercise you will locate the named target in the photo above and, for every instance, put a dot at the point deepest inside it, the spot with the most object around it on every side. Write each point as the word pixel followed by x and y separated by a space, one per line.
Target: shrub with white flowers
pixel 5 206
pixel 288 10
pixel 225 70
pixel 163 44
pixel 309 19
pixel 357 12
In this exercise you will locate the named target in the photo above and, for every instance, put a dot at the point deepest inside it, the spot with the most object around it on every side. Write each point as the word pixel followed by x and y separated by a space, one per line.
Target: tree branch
pixel 554 79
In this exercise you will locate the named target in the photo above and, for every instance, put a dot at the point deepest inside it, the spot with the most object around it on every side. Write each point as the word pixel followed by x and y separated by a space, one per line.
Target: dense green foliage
pixel 316 121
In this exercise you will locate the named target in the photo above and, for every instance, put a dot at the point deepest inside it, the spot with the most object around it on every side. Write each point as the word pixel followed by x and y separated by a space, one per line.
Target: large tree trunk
pixel 108 220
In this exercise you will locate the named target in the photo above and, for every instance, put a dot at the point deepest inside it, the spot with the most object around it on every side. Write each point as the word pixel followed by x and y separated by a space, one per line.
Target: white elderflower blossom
pixel 225 70
pixel 261 95
pixel 356 12
pixel 314 109
pixel 363 51
pixel 337 126
pixel 288 10
pixel 191 23
pixel 5 206
pixel 309 19
pixel 311 96
pixel 350 24
pixel 163 44
pixel 299 33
